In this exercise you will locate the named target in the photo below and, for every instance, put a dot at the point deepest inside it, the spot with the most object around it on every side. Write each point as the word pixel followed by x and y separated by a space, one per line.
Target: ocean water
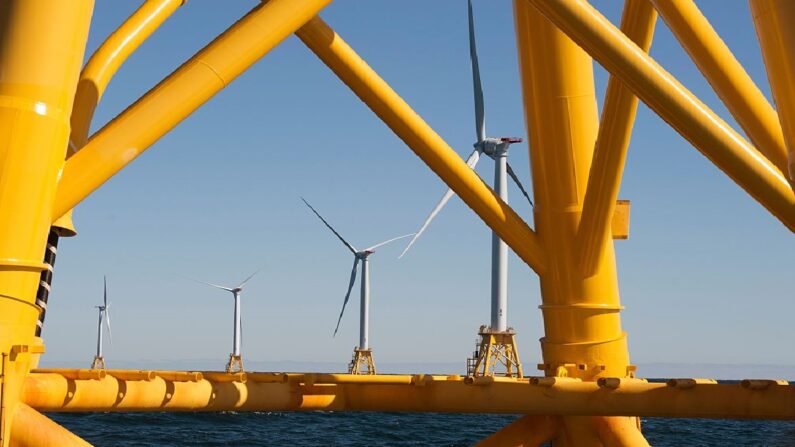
pixel 378 429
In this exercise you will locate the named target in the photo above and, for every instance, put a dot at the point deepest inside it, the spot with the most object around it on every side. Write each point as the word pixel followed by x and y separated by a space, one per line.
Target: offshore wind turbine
pixel 362 354
pixel 497 342
pixel 104 315
pixel 235 363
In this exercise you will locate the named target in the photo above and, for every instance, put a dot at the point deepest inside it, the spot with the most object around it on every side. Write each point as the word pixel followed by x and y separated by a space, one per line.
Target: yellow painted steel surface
pixel 104 63
pixel 581 311
pixel 177 96
pixel 99 70
pixel 419 136
pixel 583 337
pixel 619 432
pixel 673 102
pixel 612 142
pixel 774 26
pixel 40 57
pixel 577 167
pixel 729 79
pixel 33 429
pixel 529 430
pixel 304 392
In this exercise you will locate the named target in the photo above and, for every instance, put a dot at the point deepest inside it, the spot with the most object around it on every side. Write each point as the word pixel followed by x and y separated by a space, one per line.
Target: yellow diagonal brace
pixel 618 115
pixel 107 59
pixel 99 70
pixel 731 82
pixel 33 429
pixel 527 431
pixel 422 139
pixel 619 431
pixel 674 103
pixel 178 95
pixel 773 21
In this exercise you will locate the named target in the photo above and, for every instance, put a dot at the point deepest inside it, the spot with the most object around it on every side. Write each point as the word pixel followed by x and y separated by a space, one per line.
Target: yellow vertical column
pixel 41 51
pixel 582 327
pixel 581 312
pixel 774 27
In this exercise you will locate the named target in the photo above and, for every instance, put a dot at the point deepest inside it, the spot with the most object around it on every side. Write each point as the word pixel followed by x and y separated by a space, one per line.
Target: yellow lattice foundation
pixel 362 362
pixel 496 355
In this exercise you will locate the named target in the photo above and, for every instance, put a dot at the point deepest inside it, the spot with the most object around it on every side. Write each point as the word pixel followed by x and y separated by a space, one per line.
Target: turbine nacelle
pixel 495 147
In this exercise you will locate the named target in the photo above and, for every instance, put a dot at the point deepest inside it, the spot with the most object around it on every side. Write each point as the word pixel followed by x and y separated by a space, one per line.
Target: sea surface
pixel 378 429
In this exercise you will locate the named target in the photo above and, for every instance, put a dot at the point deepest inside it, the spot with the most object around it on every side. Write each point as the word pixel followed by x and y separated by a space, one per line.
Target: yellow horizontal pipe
pixel 179 376
pixel 381 379
pixel 617 382
pixel 33 429
pixel 488 380
pixel 222 377
pixel 54 392
pixel 674 103
pixel 75 374
pixel 727 76
pixel 122 374
pixel 178 95
pixel 267 377
pixel 761 384
pixel 422 139
pixel 689 383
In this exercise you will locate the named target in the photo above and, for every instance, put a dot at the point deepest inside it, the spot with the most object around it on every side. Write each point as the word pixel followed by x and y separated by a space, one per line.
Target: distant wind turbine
pixel 235 359
pixel 362 353
pixel 104 314
pixel 497 149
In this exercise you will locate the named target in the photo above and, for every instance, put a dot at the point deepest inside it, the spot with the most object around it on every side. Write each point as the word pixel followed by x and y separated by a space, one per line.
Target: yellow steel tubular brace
pixel 588 394
pixel 729 79
pixel 612 143
pixel 426 143
pixel 773 20
pixel 672 101
pixel 99 70
pixel 177 96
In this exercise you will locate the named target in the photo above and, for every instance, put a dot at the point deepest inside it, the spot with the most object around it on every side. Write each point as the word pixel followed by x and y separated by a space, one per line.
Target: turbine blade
pixel 480 117
pixel 472 161
pixel 105 290
pixel 348 294
pixel 350 247
pixel 519 184
pixel 228 289
pixel 107 323
pixel 246 280
pixel 381 244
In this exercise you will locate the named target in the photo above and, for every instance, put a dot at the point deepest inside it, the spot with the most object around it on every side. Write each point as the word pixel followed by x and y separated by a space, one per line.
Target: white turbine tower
pixel 104 315
pixel 497 343
pixel 362 354
pixel 235 363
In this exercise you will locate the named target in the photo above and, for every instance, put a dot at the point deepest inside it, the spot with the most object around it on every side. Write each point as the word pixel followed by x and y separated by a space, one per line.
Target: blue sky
pixel 706 275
